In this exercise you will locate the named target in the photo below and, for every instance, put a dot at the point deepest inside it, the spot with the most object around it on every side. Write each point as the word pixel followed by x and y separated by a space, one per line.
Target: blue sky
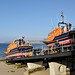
pixel 33 19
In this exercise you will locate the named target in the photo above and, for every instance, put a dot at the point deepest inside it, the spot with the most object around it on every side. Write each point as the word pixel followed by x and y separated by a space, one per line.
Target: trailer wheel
pixel 23 56
pixel 7 61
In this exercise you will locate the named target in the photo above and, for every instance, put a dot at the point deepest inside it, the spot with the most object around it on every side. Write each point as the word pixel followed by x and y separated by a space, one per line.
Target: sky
pixel 33 19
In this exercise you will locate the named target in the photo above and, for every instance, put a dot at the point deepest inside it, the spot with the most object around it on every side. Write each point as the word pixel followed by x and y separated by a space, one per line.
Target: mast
pixel 62 15
pixel 62 22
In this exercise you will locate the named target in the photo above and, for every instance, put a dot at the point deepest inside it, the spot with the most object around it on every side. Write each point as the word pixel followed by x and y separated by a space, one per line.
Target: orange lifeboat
pixel 54 33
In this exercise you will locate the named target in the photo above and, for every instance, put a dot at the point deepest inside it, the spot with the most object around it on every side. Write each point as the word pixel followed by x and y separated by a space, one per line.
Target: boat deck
pixel 42 57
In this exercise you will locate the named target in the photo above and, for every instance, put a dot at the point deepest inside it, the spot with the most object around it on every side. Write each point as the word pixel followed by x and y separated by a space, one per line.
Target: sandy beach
pixel 11 70
pixel 45 72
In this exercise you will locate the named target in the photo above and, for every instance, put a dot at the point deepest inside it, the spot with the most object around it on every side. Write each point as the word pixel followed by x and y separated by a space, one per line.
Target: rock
pixel 8 71
pixel 12 71
pixel 26 72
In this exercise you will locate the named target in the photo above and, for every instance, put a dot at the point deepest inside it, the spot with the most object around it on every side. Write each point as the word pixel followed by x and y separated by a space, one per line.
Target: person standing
pixel 62 29
pixel 67 27
pixel 20 42
pixel 70 26
pixel 28 43
pixel 23 41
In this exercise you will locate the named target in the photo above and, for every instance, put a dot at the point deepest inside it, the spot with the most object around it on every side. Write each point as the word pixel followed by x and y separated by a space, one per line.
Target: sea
pixel 4 46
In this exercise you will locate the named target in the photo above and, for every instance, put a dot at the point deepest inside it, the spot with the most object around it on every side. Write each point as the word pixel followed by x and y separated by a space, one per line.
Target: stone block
pixel 34 65
pixel 57 69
